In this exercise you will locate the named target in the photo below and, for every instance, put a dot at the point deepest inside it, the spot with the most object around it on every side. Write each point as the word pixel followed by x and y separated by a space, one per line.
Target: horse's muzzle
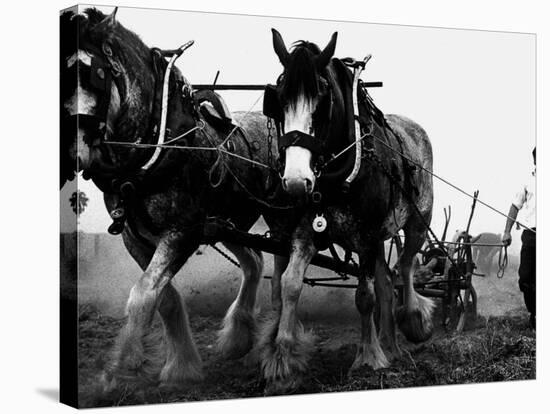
pixel 83 134
pixel 298 188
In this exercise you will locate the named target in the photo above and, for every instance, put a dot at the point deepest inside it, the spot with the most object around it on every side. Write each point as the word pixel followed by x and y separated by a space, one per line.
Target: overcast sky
pixel 472 91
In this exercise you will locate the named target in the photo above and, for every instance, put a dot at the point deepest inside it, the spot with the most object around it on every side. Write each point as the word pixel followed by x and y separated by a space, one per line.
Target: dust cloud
pixel 209 283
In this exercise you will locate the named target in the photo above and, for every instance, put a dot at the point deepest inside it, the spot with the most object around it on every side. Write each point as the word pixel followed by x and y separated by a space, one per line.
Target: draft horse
pixel 312 104
pixel 112 93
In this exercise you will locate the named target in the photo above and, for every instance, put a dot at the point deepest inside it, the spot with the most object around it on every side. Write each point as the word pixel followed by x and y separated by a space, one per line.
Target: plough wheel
pixel 460 308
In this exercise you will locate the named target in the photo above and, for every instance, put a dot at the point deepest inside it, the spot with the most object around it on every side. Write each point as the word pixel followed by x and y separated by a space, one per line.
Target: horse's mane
pixel 126 45
pixel 301 75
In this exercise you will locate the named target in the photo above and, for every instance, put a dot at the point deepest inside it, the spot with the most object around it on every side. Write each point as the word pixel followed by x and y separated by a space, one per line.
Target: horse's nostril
pixel 284 184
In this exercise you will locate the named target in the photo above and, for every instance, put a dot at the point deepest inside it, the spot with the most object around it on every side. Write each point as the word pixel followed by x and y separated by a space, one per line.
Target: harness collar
pixel 164 111
pixel 103 71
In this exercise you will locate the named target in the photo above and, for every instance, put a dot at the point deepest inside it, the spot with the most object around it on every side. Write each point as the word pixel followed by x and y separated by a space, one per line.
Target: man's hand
pixel 506 238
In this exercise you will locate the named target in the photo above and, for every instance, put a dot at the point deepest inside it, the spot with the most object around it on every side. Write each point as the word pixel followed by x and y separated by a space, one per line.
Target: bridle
pixel 335 164
pixel 102 73
pixel 274 109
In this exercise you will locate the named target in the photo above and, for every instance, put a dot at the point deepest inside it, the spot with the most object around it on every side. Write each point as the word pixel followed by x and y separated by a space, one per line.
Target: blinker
pixel 272 106
pixel 98 75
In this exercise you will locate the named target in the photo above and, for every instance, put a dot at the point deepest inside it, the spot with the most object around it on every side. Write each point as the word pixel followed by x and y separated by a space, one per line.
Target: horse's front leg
pixel 236 337
pixel 369 352
pixel 136 351
pixel 285 347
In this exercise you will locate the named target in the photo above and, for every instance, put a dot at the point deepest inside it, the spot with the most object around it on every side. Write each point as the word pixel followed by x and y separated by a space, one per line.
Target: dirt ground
pixel 499 348
pixel 496 346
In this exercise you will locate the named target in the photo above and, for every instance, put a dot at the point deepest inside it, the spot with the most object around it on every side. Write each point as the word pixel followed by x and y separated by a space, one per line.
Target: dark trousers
pixel 528 270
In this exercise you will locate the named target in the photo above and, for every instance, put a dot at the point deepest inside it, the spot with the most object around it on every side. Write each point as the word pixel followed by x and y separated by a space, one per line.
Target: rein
pixel 502 261
pixel 451 184
pixel 220 162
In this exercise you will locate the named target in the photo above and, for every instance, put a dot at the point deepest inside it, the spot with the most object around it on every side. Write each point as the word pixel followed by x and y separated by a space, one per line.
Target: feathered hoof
pixel 283 361
pixel 180 372
pixel 414 325
pixel 283 386
pixel 252 359
pixel 107 382
pixel 369 356
pixel 390 347
pixel 236 338
pixel 131 356
pixel 134 361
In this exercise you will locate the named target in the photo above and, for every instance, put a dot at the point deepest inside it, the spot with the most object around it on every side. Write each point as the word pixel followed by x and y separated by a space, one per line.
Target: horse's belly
pixel 351 232
pixel 395 221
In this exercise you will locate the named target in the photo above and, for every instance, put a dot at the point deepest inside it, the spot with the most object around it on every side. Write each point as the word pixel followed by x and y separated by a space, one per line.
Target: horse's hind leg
pixel 369 351
pixel 385 298
pixel 236 337
pixel 415 316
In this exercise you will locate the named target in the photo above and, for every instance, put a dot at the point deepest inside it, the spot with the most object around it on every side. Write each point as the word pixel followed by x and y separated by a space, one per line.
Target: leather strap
pixel 300 139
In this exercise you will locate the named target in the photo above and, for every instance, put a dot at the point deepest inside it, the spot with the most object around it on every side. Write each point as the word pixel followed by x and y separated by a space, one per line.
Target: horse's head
pixel 309 100
pixel 107 88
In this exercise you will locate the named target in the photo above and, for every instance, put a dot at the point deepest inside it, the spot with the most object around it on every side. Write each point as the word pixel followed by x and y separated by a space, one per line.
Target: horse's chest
pixel 345 228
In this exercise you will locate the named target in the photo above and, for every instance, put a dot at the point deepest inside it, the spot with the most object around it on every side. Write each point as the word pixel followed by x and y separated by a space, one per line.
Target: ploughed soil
pixel 500 348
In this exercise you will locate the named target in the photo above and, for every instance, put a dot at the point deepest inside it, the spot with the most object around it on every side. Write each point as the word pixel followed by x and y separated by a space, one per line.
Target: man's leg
pixel 527 272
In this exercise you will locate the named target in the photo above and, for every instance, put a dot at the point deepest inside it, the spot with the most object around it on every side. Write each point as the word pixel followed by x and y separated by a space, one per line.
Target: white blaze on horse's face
pixel 81 102
pixel 298 178
pixel 84 101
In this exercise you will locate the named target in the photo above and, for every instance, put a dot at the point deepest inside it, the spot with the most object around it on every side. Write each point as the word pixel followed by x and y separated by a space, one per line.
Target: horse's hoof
pixel 132 361
pixel 107 382
pixel 283 386
pixel 414 326
pixel 174 376
pixel 236 338
pixel 252 359
pixel 391 350
pixel 369 356
pixel 236 350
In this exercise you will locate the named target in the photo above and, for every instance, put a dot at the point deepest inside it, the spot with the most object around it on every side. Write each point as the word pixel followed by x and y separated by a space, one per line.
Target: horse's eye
pixel 323 86
pixel 107 49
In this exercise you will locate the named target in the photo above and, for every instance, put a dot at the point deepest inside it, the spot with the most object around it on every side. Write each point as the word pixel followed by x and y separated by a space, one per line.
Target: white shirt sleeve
pixel 520 198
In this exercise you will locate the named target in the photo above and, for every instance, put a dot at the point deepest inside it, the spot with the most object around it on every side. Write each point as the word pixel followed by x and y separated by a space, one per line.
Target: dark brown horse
pixel 316 121
pixel 112 93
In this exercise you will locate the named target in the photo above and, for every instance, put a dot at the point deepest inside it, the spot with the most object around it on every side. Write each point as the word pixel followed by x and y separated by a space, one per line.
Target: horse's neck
pixel 338 128
pixel 180 118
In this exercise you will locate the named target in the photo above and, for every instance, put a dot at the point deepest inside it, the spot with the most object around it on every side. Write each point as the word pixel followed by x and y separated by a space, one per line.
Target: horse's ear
pixel 324 57
pixel 109 22
pixel 280 48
